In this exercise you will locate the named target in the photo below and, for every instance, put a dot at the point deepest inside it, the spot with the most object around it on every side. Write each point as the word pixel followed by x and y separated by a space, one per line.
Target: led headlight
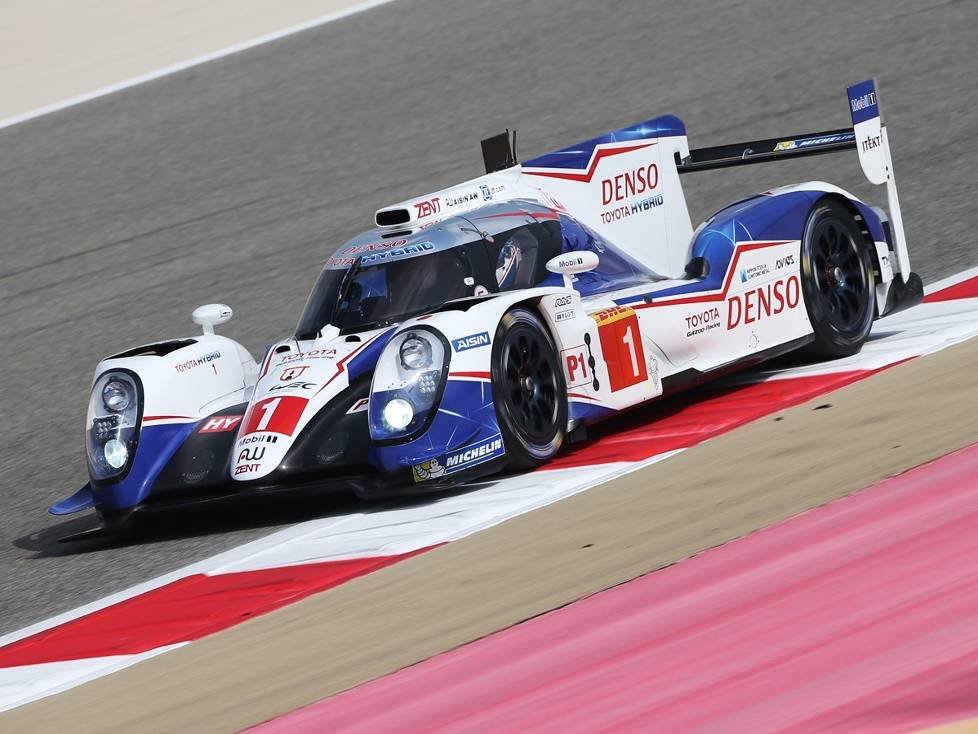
pixel 113 424
pixel 398 414
pixel 407 383
pixel 117 395
pixel 116 453
pixel 415 352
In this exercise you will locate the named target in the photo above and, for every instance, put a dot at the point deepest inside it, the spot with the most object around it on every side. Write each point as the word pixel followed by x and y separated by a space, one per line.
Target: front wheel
pixel 528 389
pixel 837 280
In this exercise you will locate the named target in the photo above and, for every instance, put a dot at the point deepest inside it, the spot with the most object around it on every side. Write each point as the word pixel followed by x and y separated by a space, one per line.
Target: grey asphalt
pixel 234 180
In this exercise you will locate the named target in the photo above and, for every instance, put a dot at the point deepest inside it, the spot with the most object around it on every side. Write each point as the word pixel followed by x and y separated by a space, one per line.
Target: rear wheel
pixel 837 280
pixel 528 389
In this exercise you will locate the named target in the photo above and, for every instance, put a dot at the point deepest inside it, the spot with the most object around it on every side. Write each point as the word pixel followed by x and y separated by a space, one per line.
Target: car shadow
pixel 81 535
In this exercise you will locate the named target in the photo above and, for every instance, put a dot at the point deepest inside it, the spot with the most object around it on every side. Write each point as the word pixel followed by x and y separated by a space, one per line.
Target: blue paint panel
pixel 466 416
pixel 83 499
pixel 157 445
pixel 587 412
pixel 577 156
pixel 863 103
pixel 366 360
pixel 758 218
pixel 464 458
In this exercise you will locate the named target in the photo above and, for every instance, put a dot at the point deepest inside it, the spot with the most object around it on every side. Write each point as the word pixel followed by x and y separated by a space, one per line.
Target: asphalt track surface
pixel 232 181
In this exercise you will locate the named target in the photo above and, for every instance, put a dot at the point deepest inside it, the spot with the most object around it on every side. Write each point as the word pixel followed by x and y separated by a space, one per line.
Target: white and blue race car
pixel 482 327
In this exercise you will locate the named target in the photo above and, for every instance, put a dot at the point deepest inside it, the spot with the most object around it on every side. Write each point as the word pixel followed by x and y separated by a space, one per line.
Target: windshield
pixel 384 293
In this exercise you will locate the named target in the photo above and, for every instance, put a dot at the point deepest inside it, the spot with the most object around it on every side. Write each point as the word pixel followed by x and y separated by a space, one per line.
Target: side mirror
pixel 212 315
pixel 572 262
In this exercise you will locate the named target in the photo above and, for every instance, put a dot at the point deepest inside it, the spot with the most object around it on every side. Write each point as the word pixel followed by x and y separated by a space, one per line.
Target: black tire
pixel 528 389
pixel 838 282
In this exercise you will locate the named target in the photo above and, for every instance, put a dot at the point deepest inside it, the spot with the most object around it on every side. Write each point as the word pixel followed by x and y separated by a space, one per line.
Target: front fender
pixel 180 386
pixel 464 433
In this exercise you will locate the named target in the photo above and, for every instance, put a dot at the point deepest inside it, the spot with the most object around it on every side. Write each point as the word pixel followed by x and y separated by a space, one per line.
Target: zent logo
pixel 428 207
pixel 471 342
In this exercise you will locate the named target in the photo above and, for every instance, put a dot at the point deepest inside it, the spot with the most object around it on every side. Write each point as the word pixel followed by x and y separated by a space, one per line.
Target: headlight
pixel 113 424
pixel 407 383
pixel 398 414
pixel 116 453
pixel 415 352
pixel 117 395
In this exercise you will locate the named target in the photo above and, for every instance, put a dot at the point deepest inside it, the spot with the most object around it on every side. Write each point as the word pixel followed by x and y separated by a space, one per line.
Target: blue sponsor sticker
pixel 419 248
pixel 862 102
pixel 472 341
pixel 817 140
pixel 471 455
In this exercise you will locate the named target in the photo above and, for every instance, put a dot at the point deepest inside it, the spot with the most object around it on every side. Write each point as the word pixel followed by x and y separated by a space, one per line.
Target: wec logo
pixel 471 342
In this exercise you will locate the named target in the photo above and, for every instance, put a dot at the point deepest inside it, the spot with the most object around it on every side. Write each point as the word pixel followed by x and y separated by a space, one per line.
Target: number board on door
pixel 621 344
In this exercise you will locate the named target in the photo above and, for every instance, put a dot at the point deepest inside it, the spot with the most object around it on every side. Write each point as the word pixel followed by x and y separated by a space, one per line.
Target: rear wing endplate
pixel 867 135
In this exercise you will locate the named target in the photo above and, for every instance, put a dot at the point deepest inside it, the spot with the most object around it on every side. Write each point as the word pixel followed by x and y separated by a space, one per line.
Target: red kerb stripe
pixel 184 610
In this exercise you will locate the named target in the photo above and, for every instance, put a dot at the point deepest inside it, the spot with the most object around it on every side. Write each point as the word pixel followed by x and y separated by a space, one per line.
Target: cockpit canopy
pixel 381 277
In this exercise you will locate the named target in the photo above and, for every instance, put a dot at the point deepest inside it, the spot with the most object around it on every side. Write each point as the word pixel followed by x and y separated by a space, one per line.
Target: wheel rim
pixel 840 275
pixel 530 385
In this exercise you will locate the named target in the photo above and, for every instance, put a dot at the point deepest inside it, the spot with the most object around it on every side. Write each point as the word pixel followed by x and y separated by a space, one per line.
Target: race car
pixel 483 327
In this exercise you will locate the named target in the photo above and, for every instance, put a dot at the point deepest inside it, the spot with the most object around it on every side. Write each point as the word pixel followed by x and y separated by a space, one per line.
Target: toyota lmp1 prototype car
pixel 479 328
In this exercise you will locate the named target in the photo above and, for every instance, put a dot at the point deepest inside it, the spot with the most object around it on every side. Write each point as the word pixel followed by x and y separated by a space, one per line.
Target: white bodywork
pixel 192 382
pixel 614 356
pixel 293 386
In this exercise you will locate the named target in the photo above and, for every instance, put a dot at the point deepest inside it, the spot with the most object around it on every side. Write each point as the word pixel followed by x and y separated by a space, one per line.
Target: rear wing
pixel 867 135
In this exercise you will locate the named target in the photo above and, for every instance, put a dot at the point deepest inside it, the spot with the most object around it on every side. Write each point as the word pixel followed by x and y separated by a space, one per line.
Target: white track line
pixel 951 280
pixel 195 61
